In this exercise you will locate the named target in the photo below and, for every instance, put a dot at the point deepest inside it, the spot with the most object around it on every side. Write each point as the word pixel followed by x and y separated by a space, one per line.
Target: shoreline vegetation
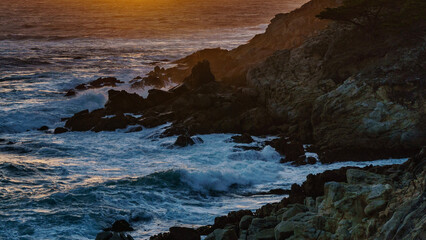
pixel 352 86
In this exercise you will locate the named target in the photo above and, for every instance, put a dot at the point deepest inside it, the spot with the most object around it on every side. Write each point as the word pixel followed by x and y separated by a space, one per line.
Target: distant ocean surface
pixel 70 186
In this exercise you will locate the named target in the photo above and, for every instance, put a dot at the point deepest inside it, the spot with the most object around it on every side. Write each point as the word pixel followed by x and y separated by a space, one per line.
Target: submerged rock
pixel 43 128
pixel 60 130
pixel 243 138
pixel 183 141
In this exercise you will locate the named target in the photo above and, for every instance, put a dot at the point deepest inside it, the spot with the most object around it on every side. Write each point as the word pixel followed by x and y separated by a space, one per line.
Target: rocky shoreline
pixel 354 95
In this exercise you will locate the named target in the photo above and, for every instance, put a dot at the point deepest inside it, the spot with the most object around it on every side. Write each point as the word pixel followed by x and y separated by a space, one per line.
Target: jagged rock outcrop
pixel 386 202
pixel 157 78
pixel 348 92
pixel 98 83
pixel 200 105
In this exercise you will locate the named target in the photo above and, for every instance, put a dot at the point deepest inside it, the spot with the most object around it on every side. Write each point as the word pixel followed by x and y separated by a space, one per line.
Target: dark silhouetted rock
pixel 43 128
pixel 120 226
pixel 81 87
pixel 232 218
pixel 204 230
pixel 157 97
pixel 119 121
pixel 104 236
pixel 178 233
pixel 179 90
pixel 98 121
pixel 103 82
pixel 70 93
pixel 182 233
pixel 243 138
pixel 278 191
pixel 200 75
pixel 156 78
pixel 291 149
pixel 183 141
pixel 85 120
pixel 98 83
pixel 60 130
pixel 311 160
pixel 124 102
pixel 113 236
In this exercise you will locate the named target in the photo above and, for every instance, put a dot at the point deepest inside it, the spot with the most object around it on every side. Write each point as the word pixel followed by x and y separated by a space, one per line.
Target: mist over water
pixel 70 186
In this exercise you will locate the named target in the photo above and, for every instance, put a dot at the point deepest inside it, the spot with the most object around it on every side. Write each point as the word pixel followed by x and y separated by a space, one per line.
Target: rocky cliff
pixel 348 92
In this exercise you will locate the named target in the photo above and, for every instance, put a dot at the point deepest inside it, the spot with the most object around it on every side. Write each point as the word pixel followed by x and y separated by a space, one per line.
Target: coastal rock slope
pixel 349 92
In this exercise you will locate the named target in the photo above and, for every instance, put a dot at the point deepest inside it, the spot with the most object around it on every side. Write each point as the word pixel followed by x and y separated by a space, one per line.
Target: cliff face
pixel 284 32
pixel 347 90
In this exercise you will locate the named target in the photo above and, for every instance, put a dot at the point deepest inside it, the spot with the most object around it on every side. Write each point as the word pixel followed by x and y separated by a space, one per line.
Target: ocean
pixel 70 186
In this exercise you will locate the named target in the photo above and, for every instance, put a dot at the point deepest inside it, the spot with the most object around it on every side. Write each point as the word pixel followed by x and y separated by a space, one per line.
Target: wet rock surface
pixel 156 78
pixel 199 106
pixel 354 96
pixel 116 231
pixel 178 233
pixel 98 83
pixel 243 138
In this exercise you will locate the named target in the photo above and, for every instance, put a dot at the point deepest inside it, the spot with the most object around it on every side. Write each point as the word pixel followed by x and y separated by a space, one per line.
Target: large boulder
pixel 291 149
pixel 157 97
pixel 243 138
pixel 124 102
pixel 183 233
pixel 85 120
pixel 200 75
pixel 228 233
pixel 184 141
pixel 120 226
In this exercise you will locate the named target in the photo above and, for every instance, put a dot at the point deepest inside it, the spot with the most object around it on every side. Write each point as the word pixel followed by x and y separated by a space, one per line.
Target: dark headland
pixel 350 80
